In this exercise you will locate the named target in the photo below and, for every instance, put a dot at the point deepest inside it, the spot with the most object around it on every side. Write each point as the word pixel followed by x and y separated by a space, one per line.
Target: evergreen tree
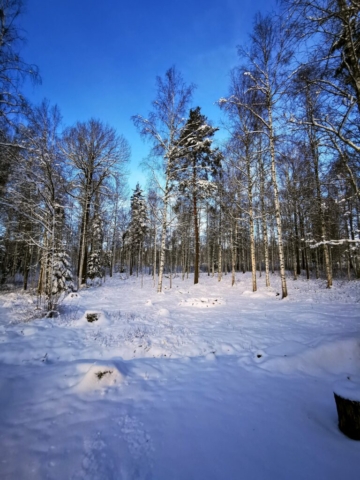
pixel 138 223
pixel 94 266
pixel 196 161
pixel 61 277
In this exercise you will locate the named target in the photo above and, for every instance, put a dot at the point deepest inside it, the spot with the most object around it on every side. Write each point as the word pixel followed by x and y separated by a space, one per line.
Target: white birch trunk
pixel 163 238
pixel 154 260
pixel 277 206
pixel 251 221
pixel 233 254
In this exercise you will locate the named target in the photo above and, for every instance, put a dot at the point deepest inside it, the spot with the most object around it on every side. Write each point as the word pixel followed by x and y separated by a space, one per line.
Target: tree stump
pixel 347 398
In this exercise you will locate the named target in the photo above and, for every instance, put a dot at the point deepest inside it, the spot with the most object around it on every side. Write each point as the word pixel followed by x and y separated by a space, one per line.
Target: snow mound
pixel 336 357
pixel 210 357
pixel 248 293
pixel 27 331
pixel 202 302
pixel 72 297
pixel 98 377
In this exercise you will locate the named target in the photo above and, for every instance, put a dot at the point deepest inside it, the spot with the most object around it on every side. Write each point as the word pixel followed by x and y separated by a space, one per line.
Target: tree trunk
pixel 233 253
pixel 322 217
pixel 294 257
pixel 113 253
pixel 197 241
pixel 277 206
pixel 83 242
pixel 154 257
pixel 27 260
pixel 163 238
pixel 220 249
pixel 252 233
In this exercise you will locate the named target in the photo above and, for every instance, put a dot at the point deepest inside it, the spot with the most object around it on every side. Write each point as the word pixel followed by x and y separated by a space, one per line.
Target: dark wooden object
pixel 349 416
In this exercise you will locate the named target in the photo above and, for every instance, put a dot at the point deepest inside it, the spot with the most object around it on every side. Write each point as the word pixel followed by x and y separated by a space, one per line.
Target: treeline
pixel 280 194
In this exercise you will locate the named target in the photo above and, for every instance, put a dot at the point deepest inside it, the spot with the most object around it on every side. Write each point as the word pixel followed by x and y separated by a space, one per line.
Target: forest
pixel 280 194
pixel 204 324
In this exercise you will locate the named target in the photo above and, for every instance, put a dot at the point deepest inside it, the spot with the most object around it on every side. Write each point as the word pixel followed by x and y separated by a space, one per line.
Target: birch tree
pixel 267 67
pixel 163 128
pixel 242 148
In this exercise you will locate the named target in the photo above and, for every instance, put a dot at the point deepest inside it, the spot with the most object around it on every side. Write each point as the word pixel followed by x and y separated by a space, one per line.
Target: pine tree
pixel 138 223
pixel 194 163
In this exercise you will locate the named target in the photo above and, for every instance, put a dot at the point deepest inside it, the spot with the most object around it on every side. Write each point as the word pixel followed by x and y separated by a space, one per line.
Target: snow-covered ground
pixel 200 382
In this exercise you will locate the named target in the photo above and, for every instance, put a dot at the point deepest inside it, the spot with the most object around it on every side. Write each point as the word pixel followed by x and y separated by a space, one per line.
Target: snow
pixel 349 389
pixel 97 376
pixel 204 381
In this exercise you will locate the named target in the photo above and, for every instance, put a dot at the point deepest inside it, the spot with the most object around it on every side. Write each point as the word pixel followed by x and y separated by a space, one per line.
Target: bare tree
pixel 96 153
pixel 334 29
pixel 332 69
pixel 267 68
pixel 13 69
pixel 242 149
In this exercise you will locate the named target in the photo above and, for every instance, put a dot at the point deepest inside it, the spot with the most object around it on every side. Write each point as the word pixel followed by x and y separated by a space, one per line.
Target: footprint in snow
pixel 123 454
pixel 139 442
pixel 97 464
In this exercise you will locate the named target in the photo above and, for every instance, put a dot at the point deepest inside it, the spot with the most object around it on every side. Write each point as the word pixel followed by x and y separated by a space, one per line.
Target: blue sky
pixel 100 58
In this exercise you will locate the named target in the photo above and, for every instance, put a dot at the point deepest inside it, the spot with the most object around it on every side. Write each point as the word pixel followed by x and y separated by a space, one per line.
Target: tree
pixel 163 127
pixel 309 108
pixel 267 67
pixel 138 227
pixel 334 28
pixel 328 92
pixel 197 161
pixel 96 154
pixel 243 149
pixel 13 69
pixel 45 172
pixel 13 72
pixel 61 277
pixel 116 200
pixel 95 266
pixel 331 29
pixel 36 201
